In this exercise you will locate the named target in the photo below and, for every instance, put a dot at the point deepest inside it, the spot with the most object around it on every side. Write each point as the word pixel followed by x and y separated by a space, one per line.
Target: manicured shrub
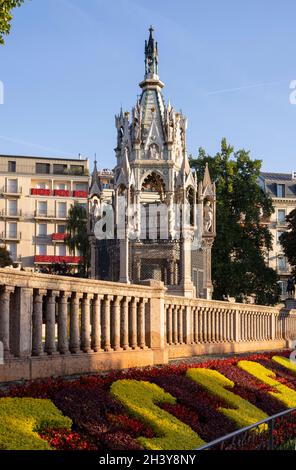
pixel 281 392
pixel 140 399
pixel 21 419
pixel 285 362
pixel 241 412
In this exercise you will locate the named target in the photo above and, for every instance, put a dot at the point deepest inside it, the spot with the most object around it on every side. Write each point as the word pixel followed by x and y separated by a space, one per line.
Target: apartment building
pixel 282 189
pixel 35 197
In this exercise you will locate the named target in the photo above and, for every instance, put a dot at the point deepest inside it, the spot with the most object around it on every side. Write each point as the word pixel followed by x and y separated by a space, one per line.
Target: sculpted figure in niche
pixel 154 152
pixel 95 212
pixel 208 216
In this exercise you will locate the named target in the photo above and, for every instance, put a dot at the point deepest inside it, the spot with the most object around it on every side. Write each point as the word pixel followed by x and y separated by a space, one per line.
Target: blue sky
pixel 68 65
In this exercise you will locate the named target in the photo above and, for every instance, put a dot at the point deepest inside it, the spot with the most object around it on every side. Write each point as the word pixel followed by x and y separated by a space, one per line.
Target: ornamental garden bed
pixel 161 408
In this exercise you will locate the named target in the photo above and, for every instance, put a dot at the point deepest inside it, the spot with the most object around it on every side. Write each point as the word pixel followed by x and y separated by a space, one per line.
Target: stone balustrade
pixel 53 325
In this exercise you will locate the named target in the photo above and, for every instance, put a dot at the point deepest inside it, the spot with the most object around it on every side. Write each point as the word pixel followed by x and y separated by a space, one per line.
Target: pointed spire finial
pixel 207 178
pixel 151 55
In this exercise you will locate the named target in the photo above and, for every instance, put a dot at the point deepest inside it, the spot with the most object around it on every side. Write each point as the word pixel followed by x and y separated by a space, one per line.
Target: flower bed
pixel 169 407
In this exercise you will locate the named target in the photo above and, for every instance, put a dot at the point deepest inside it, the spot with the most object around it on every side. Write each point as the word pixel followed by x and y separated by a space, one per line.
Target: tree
pixel 288 241
pixel 5 259
pixel 6 7
pixel 242 242
pixel 77 236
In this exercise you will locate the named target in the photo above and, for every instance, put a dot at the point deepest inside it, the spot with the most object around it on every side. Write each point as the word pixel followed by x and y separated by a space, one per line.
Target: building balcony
pixel 40 192
pixel 6 214
pixel 15 237
pixel 62 192
pixel 80 194
pixel 59 237
pixel 49 216
pixel 45 259
pixel 16 192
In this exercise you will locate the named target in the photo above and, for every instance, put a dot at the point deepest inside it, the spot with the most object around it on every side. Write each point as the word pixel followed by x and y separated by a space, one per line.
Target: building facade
pixel 164 215
pixel 35 196
pixel 281 187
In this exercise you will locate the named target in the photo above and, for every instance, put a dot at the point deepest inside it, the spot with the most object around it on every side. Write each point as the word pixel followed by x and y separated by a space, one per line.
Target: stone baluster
pixel 175 324
pixel 217 333
pixel 141 324
pixel 96 323
pixel 85 324
pixel 180 325
pixel 37 322
pixel 208 323
pixel 63 343
pixel 170 324
pixel 125 323
pixel 107 323
pixel 74 323
pixel 50 344
pixel 188 324
pixel 4 318
pixel 133 325
pixel 116 323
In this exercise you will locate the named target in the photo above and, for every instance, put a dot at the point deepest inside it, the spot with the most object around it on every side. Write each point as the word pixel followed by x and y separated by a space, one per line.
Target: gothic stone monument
pixel 170 234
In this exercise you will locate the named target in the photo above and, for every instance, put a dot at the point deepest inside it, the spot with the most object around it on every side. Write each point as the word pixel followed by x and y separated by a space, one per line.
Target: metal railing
pixel 268 434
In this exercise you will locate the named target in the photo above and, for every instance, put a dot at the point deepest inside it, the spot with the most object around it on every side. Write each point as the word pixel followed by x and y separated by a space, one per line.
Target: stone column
pixel 175 324
pixel 74 323
pixel 125 323
pixel 188 289
pixel 138 269
pixel 37 322
pixel 96 323
pixel 116 324
pixel 133 325
pixel 50 344
pixel 85 323
pixel 180 325
pixel 4 318
pixel 176 272
pixel 124 260
pixel 63 344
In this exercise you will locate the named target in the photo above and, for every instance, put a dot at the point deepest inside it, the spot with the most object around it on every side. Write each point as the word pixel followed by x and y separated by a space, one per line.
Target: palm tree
pixel 77 239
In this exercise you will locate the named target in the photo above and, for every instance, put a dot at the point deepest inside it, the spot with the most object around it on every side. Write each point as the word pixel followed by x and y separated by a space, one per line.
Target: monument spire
pixel 151 56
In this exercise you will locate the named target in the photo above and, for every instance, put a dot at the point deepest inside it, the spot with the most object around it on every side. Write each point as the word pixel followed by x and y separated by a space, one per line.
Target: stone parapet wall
pixel 54 326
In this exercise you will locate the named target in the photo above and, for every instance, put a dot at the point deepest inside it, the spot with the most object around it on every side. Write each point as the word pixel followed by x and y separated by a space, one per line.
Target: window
pixel 11 167
pixel 12 206
pixel 60 186
pixel 61 250
pixel 59 169
pixel 12 229
pixel 42 207
pixel 12 249
pixel 282 264
pixel 80 187
pixel 279 233
pixel 12 186
pixel 281 216
pixel 43 168
pixel 41 250
pixel 77 169
pixel 41 185
pixel 61 229
pixel 42 230
pixel 62 209
pixel 280 190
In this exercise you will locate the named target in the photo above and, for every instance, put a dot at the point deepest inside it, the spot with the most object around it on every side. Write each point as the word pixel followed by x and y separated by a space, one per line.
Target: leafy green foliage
pixel 142 400
pixel 242 241
pixel 5 259
pixel 78 236
pixel 288 240
pixel 21 419
pixel 6 7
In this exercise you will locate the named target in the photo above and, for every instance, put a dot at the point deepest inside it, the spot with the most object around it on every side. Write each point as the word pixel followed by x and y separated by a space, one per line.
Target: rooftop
pixel 77 159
